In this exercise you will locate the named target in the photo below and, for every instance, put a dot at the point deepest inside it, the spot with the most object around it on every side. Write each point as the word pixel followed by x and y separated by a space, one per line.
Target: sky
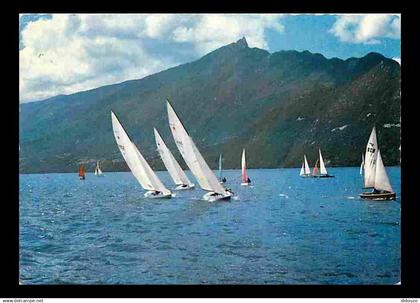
pixel 64 54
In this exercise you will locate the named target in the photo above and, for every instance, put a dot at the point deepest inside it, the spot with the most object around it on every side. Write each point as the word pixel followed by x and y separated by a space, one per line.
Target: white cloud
pixel 367 29
pixel 208 32
pixel 69 53
pixel 397 59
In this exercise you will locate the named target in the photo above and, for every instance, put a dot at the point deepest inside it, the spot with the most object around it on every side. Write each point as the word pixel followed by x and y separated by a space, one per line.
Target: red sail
pixel 244 175
pixel 81 170
pixel 316 168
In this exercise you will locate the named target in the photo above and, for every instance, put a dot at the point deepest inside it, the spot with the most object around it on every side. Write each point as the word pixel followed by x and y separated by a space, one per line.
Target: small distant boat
pixel 245 179
pixel 375 175
pixel 315 171
pixel 98 171
pixel 195 161
pixel 305 171
pixel 361 165
pixel 137 164
pixel 323 171
pixel 221 180
pixel 174 169
pixel 82 171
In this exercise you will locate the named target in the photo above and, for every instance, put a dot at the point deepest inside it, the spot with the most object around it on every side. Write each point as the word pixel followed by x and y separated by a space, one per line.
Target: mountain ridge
pixel 232 90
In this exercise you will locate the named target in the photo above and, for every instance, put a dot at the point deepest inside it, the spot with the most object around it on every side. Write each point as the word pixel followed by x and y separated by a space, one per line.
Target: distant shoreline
pixel 227 169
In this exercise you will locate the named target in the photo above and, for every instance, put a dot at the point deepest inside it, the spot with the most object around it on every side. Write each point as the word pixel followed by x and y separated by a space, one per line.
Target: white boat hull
pixel 152 195
pixel 245 184
pixel 184 187
pixel 212 196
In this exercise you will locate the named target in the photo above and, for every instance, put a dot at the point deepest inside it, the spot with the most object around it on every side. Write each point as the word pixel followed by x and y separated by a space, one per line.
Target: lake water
pixel 283 230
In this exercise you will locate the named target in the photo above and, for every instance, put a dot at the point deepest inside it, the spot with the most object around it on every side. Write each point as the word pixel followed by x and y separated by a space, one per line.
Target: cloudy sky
pixel 63 54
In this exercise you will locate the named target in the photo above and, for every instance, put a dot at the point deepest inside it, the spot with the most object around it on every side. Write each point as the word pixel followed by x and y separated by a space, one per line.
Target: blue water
pixel 283 230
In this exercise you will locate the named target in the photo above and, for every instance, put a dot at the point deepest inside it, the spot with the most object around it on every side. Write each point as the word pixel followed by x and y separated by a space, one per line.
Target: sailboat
pixel 323 171
pixel 82 171
pixel 98 171
pixel 195 161
pixel 362 165
pixel 221 180
pixel 245 180
pixel 174 169
pixel 375 175
pixel 137 164
pixel 315 171
pixel 305 171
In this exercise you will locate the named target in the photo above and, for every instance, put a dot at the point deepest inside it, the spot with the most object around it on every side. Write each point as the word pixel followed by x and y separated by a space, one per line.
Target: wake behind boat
pixel 137 164
pixel 174 169
pixel 375 175
pixel 195 161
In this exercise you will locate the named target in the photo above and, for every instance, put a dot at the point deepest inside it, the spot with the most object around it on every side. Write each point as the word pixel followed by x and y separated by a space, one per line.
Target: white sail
pixel 151 175
pixel 174 169
pixel 381 177
pixel 370 159
pixel 135 161
pixel 307 169
pixel 220 166
pixel 302 170
pixel 193 158
pixel 323 170
pixel 98 171
pixel 362 164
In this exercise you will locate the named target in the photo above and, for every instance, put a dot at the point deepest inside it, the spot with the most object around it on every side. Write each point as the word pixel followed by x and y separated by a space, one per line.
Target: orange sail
pixel 82 171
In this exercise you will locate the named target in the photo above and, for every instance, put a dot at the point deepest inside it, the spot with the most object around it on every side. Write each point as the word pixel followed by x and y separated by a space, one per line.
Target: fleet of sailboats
pixel 372 167
pixel 375 175
pixel 195 161
pixel 137 164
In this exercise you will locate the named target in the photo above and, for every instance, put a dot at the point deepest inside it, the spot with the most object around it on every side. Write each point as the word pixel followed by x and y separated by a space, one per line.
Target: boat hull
pixel 323 176
pixel 150 194
pixel 81 178
pixel 212 197
pixel 378 196
pixel 184 187
pixel 245 184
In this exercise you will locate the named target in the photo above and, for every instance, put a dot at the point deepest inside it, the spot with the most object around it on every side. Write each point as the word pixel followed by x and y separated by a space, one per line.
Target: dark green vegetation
pixel 277 106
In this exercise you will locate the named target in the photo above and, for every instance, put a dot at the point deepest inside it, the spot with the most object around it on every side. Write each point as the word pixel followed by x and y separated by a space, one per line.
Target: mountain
pixel 277 106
